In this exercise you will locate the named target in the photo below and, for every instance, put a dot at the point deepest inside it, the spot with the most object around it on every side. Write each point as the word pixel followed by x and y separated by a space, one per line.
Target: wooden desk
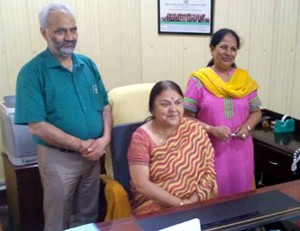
pixel 274 153
pixel 24 195
pixel 292 189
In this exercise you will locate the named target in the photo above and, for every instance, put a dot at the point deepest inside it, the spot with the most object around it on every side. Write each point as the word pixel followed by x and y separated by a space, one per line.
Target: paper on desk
pixel 193 224
pixel 87 227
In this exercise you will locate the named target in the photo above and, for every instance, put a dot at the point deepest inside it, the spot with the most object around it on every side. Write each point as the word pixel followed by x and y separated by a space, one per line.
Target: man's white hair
pixel 46 9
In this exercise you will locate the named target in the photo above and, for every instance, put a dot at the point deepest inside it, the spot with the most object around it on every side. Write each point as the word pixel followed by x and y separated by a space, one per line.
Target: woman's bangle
pixel 248 128
pixel 206 127
pixel 181 203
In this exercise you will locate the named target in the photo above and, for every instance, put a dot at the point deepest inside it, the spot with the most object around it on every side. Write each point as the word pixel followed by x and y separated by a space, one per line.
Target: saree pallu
pixel 181 166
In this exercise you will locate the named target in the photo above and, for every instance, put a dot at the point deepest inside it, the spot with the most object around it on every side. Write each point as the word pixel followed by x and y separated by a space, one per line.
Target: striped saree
pixel 181 166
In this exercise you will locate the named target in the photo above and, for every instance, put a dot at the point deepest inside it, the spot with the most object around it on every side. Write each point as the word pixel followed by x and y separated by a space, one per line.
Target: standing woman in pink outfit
pixel 224 98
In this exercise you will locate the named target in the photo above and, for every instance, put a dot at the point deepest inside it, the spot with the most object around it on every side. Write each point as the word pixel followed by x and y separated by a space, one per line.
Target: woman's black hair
pixel 217 38
pixel 158 88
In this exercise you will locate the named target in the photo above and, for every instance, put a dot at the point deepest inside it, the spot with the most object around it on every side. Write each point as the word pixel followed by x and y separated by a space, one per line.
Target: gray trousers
pixel 71 188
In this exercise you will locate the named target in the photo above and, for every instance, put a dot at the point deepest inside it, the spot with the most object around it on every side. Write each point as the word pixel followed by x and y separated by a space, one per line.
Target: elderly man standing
pixel 61 97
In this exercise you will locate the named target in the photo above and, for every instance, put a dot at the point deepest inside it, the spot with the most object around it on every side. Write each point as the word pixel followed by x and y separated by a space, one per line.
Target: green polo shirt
pixel 72 101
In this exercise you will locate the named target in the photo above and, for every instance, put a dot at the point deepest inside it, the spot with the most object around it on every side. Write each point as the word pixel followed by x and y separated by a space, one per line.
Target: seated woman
pixel 171 159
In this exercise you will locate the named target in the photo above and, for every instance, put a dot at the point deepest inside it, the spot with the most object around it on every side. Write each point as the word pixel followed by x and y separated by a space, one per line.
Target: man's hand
pixel 93 149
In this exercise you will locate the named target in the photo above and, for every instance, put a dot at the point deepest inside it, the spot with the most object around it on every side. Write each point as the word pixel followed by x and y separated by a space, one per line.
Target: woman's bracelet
pixel 248 128
pixel 206 127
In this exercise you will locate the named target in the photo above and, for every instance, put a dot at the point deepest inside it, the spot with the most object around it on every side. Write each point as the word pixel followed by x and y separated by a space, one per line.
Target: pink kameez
pixel 234 158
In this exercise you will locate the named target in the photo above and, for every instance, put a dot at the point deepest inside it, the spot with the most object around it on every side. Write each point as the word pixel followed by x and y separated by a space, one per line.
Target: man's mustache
pixel 71 43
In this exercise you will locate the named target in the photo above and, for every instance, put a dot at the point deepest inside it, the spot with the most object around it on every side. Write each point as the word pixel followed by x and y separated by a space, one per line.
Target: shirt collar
pixel 53 62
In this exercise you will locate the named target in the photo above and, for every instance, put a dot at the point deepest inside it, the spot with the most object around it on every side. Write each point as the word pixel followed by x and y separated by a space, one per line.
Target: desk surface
pixel 286 141
pixel 291 189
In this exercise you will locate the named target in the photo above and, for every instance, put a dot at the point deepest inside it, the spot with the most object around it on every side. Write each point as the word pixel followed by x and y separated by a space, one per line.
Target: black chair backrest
pixel 120 139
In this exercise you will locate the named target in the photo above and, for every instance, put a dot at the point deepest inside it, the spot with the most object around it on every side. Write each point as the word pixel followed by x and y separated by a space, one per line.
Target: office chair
pixel 130 109
pixel 129 104
pixel 121 136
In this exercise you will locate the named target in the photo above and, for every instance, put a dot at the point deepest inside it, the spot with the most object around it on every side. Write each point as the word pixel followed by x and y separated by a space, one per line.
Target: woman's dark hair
pixel 159 87
pixel 217 38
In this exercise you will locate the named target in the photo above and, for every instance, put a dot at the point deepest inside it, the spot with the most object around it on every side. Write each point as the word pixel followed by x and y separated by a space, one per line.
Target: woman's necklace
pixel 160 136
pixel 162 140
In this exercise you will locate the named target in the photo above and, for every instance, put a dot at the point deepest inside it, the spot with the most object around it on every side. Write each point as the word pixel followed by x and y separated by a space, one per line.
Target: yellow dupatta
pixel 240 84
